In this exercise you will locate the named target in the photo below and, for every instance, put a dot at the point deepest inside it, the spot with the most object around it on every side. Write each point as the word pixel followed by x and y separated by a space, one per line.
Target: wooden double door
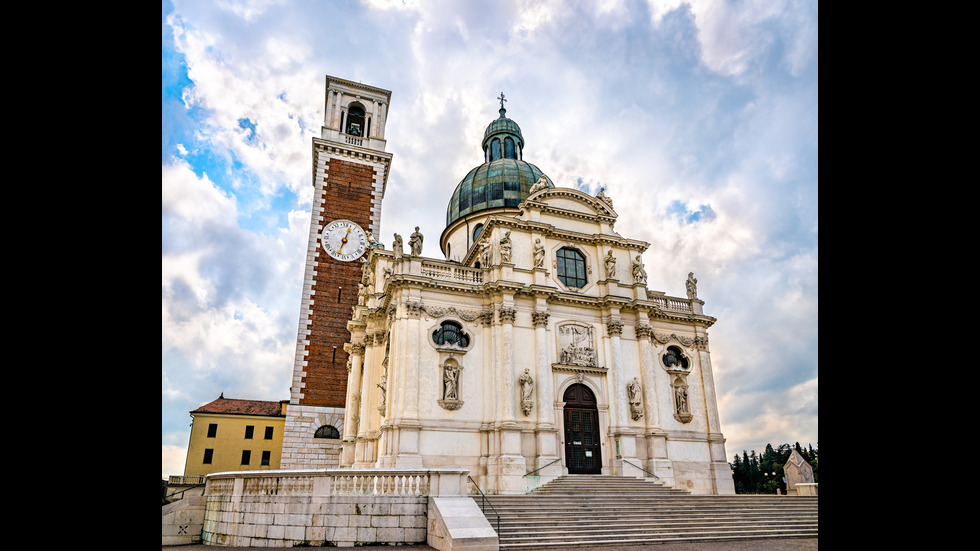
pixel 583 449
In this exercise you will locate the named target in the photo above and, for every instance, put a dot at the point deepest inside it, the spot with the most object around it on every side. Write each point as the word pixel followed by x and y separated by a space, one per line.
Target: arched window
pixel 477 231
pixel 451 332
pixel 509 149
pixel 326 431
pixel 355 120
pixel 674 357
pixel 571 267
pixel 495 149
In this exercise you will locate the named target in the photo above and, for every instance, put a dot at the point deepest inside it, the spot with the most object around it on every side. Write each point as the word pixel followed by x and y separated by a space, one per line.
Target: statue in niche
pixel 415 242
pixel 576 346
pixel 610 265
pixel 692 286
pixel 538 253
pixel 542 183
pixel 633 393
pixel 639 273
pixel 397 247
pixel 680 396
pixel 451 380
pixel 361 294
pixel 527 388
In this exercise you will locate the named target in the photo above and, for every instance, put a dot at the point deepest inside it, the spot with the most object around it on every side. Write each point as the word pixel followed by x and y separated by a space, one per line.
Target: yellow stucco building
pixel 230 434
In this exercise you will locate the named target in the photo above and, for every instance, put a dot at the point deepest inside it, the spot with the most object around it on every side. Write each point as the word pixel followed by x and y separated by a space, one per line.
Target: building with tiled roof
pixel 231 434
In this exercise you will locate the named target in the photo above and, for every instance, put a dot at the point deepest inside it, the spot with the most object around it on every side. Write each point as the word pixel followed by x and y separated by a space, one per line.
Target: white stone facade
pixel 459 401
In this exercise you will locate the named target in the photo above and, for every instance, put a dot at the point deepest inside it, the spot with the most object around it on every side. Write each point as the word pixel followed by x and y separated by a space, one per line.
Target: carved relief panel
pixel 576 345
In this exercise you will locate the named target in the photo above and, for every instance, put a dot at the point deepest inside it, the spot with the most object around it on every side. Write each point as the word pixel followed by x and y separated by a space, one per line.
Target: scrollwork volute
pixel 614 328
pixel 540 319
pixel 507 315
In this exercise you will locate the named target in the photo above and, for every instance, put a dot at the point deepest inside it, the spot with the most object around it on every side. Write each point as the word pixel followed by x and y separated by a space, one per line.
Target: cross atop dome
pixel 502 100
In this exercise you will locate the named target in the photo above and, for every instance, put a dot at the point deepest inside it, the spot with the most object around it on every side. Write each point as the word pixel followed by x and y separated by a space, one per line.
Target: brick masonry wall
pixel 350 192
pixel 344 521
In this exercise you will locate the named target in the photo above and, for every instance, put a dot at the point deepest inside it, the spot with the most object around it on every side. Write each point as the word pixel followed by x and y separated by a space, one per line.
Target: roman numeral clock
pixel 343 240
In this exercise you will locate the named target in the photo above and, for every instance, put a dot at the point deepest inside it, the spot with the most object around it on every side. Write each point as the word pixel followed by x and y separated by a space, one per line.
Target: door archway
pixel 583 450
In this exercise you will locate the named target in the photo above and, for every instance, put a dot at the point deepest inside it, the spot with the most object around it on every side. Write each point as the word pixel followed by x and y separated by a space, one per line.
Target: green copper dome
pixel 504 180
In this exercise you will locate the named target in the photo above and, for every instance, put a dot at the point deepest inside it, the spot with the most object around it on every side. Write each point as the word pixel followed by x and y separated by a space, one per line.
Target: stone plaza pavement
pixel 788 544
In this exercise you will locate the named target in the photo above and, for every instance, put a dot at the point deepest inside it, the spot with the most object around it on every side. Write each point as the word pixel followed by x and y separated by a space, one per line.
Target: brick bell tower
pixel 350 172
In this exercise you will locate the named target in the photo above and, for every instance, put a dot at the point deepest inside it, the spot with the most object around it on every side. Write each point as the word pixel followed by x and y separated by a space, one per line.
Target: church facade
pixel 538 349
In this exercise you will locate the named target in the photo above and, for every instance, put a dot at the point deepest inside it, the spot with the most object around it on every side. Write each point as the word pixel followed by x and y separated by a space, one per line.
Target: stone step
pixel 604 511
pixel 606 542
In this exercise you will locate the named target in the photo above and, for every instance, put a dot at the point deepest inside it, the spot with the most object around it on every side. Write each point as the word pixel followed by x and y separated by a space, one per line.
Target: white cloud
pixel 718 112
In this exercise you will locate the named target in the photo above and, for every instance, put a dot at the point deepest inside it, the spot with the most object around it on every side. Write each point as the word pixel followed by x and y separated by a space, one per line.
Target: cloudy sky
pixel 699 118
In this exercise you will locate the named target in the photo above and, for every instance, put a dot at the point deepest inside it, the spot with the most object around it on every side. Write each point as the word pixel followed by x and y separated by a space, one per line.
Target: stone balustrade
pixel 343 507
pixel 340 482
pixel 451 272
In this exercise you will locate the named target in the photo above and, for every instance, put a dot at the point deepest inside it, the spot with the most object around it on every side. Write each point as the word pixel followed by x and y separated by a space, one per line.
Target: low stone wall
pixel 341 507
pixel 183 521
pixel 344 521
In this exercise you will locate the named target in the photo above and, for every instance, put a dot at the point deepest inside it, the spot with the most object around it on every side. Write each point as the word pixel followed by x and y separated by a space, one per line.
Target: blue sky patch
pixel 685 216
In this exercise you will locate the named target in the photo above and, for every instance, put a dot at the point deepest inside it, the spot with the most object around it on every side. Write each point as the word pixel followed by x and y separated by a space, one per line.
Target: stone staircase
pixel 603 511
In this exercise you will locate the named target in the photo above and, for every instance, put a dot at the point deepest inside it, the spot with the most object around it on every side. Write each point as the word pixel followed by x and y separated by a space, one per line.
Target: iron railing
pixel 486 502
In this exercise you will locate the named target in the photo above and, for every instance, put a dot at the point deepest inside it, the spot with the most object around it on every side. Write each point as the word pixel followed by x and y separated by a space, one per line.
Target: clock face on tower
pixel 343 240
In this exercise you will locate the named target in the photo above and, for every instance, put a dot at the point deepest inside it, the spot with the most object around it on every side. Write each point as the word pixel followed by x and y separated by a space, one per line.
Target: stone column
pixel 511 463
pixel 622 433
pixel 361 455
pixel 356 352
pixel 656 439
pixel 408 425
pixel 546 433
